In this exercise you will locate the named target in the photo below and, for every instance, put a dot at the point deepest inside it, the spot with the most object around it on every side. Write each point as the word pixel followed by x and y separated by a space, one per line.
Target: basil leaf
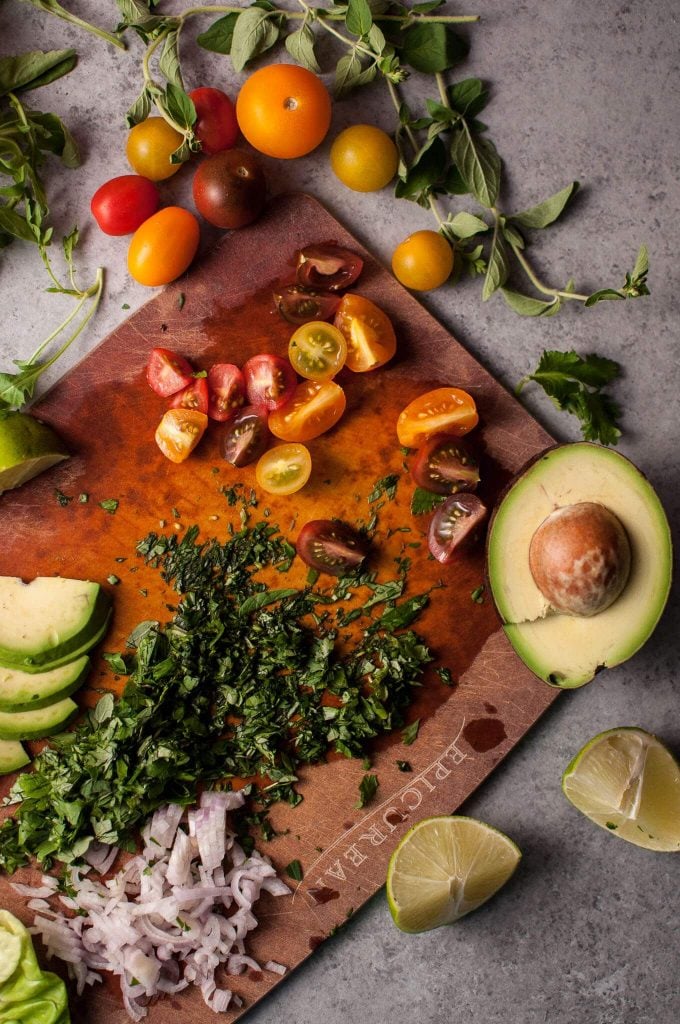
pixel 427 8
pixel 169 61
pixel 140 109
pixel 403 615
pixel 33 69
pixel 13 224
pixel 368 787
pixel 468 97
pixel 425 174
pixel 56 138
pixel 479 165
pixel 219 36
pixel 376 40
pixel 300 46
pixel 254 33
pixel 641 268
pixel 466 225
pixel 432 47
pixel 497 268
pixel 294 870
pixel 347 73
pixel 358 18
pixel 262 599
pixel 604 293
pixel 547 211
pixel 525 305
pixel 410 733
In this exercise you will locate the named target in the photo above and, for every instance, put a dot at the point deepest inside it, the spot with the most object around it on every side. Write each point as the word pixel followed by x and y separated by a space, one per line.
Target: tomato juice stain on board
pixel 315 941
pixel 322 894
pixel 484 734
pixel 394 817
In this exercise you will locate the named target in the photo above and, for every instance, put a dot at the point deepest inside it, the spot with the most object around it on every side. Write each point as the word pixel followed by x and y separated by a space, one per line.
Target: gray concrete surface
pixel 587 931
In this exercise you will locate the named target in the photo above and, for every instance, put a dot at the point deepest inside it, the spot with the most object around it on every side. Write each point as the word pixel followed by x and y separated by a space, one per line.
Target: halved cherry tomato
pixel 444 410
pixel 444 466
pixel 299 306
pixel 328 266
pixel 315 407
pixel 194 396
pixel 216 127
pixel 270 381
pixel 247 436
pixel 179 432
pixel 284 469
pixel 371 341
pixel 226 391
pixel 331 546
pixel 167 373
pixel 317 351
pixel 120 205
pixel 455 526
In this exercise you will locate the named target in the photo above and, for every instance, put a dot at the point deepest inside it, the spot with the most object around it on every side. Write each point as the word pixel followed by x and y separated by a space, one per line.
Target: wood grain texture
pixel 107 415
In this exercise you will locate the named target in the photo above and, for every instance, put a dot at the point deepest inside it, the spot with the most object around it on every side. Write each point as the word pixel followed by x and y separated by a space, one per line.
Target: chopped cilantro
pixel 62 498
pixel 181 299
pixel 294 870
pixel 113 579
pixel 445 675
pixel 126 305
pixel 386 485
pixel 423 501
pixel 477 594
pixel 366 764
pixel 611 825
pixel 368 787
pixel 409 734
pixel 109 505
pixel 83 498
pixel 404 766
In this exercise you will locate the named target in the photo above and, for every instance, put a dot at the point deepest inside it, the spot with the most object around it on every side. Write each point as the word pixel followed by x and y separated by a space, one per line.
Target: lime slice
pixel 444 868
pixel 626 781
pixel 27 447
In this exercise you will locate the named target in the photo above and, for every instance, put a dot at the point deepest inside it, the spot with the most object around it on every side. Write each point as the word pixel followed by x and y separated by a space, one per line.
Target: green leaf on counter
pixel 478 163
pixel 218 37
pixel 466 225
pixel 432 47
pixel 33 69
pixel 549 210
pixel 525 305
pixel 255 32
pixel 468 97
pixel 300 46
pixel 497 267
pixel 169 64
pixel 358 18
pixel 140 109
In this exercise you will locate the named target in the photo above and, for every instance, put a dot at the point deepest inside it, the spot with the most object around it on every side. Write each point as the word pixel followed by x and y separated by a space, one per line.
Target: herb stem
pixel 536 281
pixel 441 85
pixel 396 102
pixel 330 15
pixel 61 12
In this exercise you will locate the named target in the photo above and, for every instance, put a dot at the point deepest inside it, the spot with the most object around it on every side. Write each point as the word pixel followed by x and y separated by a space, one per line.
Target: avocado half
pixel 567 650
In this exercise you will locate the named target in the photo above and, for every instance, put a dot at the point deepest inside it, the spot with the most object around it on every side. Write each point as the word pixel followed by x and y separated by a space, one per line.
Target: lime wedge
pixel 626 781
pixel 27 447
pixel 444 868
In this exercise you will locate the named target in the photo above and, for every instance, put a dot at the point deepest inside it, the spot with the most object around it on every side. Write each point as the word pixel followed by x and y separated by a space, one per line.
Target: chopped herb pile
pixel 244 681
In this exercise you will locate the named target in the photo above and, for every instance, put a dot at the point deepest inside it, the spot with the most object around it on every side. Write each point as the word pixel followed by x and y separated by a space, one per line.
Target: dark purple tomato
pixel 247 436
pixel 327 266
pixel 443 465
pixel 122 204
pixel 299 306
pixel 226 391
pixel 216 126
pixel 455 526
pixel 331 546
pixel 230 189
pixel 270 381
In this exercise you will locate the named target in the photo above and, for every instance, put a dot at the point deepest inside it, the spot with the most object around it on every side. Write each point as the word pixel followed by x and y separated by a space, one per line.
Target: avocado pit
pixel 580 558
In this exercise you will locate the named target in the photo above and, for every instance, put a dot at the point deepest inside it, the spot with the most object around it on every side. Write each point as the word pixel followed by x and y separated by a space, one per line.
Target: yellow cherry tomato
pixel 364 158
pixel 149 147
pixel 284 469
pixel 423 261
pixel 317 350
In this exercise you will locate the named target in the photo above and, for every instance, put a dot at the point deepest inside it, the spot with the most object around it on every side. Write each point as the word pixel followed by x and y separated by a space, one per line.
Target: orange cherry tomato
pixel 164 246
pixel 370 337
pixel 284 110
pixel 284 469
pixel 442 411
pixel 179 432
pixel 423 261
pixel 315 407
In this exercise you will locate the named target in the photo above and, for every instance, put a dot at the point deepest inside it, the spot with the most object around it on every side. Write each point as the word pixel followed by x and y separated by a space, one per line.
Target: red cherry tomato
pixel 331 546
pixel 226 390
pixel 328 266
pixel 167 373
pixel 247 436
pixel 194 396
pixel 120 205
pixel 455 526
pixel 270 381
pixel 216 126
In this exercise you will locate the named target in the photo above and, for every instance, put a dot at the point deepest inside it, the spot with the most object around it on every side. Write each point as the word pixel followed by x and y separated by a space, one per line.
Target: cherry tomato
pixel 371 341
pixel 167 373
pixel 299 305
pixel 444 466
pixel 216 127
pixel 163 247
pixel 230 189
pixel 328 266
pixel 284 469
pixel 423 261
pixel 270 381
pixel 194 396
pixel 179 432
pixel 442 411
pixel 455 526
pixel 331 546
pixel 364 158
pixel 247 436
pixel 226 391
pixel 317 351
pixel 284 110
pixel 150 144
pixel 120 205
pixel 315 407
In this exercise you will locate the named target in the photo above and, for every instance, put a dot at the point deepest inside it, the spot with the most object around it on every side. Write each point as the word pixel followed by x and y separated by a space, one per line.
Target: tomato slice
pixel 331 546
pixel 247 436
pixel 315 407
pixel 444 410
pixel 167 373
pixel 317 351
pixel 299 305
pixel 455 526
pixel 328 266
pixel 270 381
pixel 226 391
pixel 179 432
pixel 371 341
pixel 284 469
pixel 444 466
pixel 195 396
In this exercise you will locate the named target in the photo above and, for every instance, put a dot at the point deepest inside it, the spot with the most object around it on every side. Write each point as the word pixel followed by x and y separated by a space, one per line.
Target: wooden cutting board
pixel 107 415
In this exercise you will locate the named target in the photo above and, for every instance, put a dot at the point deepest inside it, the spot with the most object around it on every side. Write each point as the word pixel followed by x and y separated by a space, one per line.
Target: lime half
pixel 27 447
pixel 444 868
pixel 626 781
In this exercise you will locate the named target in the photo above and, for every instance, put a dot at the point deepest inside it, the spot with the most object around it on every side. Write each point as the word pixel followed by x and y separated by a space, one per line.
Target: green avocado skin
pixel 30 995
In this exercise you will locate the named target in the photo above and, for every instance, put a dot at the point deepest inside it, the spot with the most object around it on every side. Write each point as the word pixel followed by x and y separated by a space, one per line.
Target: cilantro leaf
pixel 368 787
pixel 294 870
pixel 425 501
pixel 410 733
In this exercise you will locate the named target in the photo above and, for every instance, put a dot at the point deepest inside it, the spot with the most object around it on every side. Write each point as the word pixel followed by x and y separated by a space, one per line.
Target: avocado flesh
pixel 12 757
pixel 50 621
pixel 567 650
pixel 35 725
pixel 25 691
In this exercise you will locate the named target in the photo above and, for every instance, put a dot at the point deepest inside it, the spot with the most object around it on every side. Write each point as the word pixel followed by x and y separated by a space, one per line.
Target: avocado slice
pixel 567 650
pixel 26 691
pixel 12 757
pixel 50 621
pixel 35 725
